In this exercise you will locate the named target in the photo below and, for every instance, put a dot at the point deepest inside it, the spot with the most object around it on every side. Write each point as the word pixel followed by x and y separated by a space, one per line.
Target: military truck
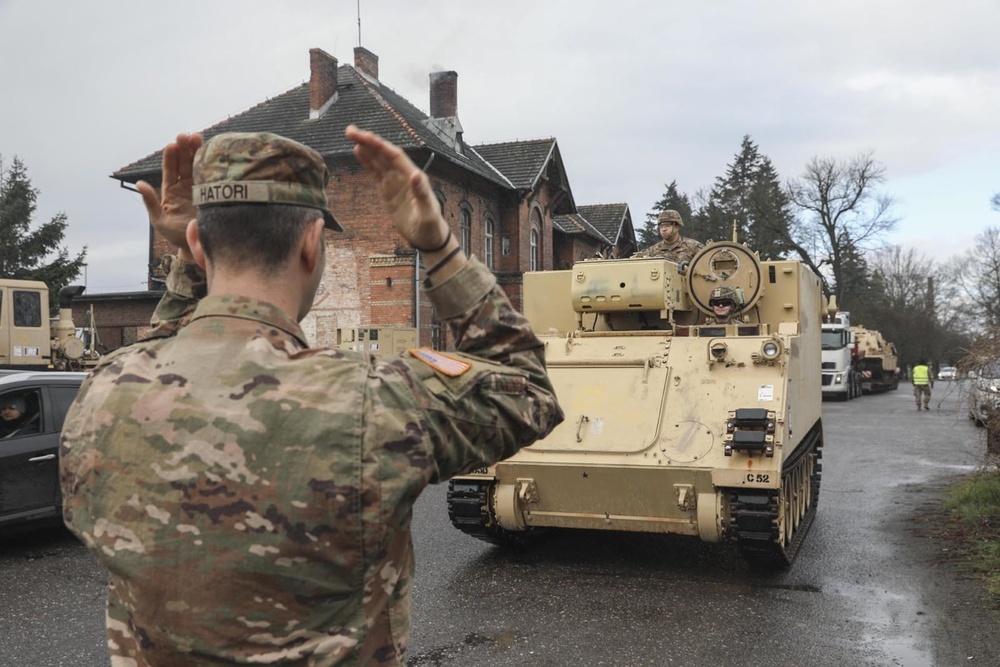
pixel 877 361
pixel 380 342
pixel 674 423
pixel 30 340
pixel 841 375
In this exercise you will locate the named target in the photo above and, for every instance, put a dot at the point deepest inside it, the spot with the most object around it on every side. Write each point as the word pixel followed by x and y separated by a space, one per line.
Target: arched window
pixel 466 230
pixel 488 247
pixel 535 240
pixel 533 251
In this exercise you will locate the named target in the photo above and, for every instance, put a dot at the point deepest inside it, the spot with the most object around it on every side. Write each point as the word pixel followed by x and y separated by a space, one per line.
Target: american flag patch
pixel 442 363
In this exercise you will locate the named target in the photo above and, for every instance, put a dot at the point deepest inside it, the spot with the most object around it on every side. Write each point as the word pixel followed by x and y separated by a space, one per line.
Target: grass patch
pixel 974 504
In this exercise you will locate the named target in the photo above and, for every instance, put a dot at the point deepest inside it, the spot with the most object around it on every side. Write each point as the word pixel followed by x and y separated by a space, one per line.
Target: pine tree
pixel 649 233
pixel 750 195
pixel 32 254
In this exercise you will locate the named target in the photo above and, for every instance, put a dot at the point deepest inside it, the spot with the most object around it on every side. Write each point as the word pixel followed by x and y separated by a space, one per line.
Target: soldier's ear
pixel 194 243
pixel 310 246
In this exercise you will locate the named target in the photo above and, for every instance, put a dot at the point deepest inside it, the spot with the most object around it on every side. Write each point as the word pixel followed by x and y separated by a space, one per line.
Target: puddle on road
pixel 935 468
pixel 937 465
pixel 898 625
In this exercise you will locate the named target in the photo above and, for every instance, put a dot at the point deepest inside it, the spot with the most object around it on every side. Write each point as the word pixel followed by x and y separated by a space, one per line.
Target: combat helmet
pixel 726 294
pixel 670 215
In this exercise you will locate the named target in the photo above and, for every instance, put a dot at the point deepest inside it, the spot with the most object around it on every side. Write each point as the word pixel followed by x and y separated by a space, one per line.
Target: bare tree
pixel 978 274
pixel 923 311
pixel 995 201
pixel 904 276
pixel 840 210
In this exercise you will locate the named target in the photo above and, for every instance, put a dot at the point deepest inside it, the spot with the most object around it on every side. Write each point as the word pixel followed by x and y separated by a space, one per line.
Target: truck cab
pixel 25 335
pixel 841 380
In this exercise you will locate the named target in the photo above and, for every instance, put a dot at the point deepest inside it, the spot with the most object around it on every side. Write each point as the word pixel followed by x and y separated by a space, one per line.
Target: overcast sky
pixel 637 93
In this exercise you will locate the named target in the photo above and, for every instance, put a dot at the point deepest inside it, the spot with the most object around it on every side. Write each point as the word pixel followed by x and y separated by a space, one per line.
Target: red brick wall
pixel 571 249
pixel 369 276
pixel 119 321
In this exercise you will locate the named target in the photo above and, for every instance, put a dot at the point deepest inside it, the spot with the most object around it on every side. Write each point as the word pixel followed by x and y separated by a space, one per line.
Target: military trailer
pixel 877 360
pixel 674 424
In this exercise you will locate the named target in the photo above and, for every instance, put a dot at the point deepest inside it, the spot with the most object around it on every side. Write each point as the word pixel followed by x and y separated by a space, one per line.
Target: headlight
pixel 838 378
pixel 995 389
pixel 718 350
pixel 770 350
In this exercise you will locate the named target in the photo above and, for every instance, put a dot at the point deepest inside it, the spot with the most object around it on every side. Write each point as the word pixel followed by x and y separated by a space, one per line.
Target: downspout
pixel 416 271
pixel 416 293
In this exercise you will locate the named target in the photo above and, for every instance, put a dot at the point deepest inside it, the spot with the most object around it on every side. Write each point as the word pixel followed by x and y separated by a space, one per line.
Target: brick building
pixel 510 203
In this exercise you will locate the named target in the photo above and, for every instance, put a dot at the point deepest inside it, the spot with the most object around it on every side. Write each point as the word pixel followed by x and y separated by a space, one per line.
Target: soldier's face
pixel 722 309
pixel 669 231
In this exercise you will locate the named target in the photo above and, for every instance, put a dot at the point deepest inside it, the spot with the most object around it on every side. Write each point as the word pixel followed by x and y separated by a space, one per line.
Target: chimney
pixel 444 94
pixel 322 82
pixel 366 62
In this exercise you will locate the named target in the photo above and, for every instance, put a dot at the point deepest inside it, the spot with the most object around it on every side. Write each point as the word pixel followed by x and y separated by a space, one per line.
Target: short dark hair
pixel 259 235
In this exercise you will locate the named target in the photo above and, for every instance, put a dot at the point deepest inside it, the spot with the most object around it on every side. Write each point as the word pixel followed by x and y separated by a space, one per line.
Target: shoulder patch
pixel 442 363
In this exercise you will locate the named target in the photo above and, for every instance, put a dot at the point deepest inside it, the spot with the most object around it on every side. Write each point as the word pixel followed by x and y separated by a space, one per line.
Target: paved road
pixel 869 588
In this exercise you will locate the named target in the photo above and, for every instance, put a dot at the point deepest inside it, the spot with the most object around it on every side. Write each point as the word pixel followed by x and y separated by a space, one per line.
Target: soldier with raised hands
pixel 250 495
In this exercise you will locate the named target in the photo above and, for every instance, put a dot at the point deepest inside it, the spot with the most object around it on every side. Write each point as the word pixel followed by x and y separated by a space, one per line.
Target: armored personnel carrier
pixel 674 423
pixel 878 361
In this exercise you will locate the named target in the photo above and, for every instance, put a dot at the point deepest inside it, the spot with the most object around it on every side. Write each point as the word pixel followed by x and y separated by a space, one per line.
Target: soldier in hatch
pixel 726 306
pixel 673 246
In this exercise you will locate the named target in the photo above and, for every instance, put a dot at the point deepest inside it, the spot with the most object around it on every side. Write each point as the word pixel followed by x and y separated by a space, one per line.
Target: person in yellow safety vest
pixel 922 383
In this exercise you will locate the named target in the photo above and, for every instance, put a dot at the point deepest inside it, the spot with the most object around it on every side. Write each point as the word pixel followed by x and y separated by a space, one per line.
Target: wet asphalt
pixel 871 586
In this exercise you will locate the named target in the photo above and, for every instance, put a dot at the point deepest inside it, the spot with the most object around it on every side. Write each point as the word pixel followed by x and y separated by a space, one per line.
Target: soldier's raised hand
pixel 405 189
pixel 171 209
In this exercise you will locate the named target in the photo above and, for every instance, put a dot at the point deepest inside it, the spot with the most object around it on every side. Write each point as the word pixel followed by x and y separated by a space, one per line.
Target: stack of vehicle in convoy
pixel 877 361
pixel 841 375
pixel 674 423
pixel 29 340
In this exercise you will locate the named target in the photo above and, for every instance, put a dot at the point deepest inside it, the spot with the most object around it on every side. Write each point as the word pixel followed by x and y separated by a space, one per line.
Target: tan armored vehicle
pixel 674 423
pixel 877 360
pixel 29 340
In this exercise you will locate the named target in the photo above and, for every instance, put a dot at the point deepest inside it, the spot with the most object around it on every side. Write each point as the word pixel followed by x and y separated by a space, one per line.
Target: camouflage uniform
pixel 252 496
pixel 680 250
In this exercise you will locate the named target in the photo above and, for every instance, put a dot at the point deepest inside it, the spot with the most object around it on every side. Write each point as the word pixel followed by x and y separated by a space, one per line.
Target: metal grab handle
pixel 47 457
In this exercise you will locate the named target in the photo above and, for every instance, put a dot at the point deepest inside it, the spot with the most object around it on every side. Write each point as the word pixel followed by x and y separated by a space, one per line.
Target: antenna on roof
pixel 359 22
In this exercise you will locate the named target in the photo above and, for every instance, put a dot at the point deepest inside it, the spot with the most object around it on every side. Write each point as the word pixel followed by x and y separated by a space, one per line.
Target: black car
pixel 32 409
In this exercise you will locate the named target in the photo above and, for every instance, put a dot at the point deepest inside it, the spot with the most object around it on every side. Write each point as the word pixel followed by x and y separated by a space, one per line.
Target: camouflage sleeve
pixel 503 400
pixel 647 252
pixel 186 286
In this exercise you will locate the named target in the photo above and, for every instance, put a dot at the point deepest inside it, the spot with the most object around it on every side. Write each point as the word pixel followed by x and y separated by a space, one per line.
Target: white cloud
pixel 637 93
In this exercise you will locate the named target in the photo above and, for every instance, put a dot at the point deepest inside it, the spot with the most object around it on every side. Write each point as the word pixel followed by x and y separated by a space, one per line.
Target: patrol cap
pixel 670 215
pixel 15 402
pixel 261 168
